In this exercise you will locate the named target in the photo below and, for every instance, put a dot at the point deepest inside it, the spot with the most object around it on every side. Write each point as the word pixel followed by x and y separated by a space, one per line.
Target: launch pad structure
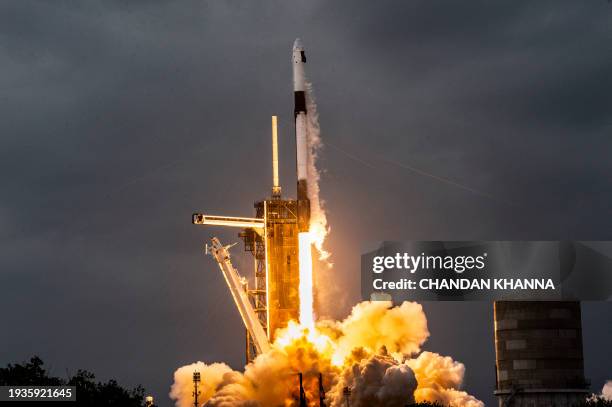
pixel 272 238
pixel 276 260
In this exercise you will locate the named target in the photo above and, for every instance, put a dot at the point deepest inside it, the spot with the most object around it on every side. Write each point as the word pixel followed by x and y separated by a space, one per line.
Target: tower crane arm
pixel 233 221
pixel 236 283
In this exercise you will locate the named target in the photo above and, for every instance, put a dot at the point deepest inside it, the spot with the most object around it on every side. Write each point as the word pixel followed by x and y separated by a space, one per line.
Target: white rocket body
pixel 301 134
pixel 300 112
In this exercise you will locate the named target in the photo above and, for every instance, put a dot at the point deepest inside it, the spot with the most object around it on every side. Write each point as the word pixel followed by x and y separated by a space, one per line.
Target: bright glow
pixel 293 334
pixel 275 183
pixel 318 233
pixel 374 351
pixel 306 297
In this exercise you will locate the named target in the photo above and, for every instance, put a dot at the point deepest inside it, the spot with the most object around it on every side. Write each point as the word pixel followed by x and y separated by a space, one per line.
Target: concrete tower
pixel 538 349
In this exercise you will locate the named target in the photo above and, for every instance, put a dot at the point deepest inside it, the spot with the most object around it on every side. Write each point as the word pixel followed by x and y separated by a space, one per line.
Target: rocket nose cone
pixel 297 45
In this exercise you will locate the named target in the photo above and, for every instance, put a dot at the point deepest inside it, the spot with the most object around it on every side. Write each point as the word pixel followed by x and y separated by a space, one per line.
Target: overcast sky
pixel 120 119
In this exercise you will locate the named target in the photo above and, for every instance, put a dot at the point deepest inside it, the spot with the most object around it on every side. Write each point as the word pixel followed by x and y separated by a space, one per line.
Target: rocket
pixel 300 114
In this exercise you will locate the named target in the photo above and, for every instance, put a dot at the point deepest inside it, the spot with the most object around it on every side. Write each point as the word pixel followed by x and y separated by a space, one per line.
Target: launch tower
pixel 272 238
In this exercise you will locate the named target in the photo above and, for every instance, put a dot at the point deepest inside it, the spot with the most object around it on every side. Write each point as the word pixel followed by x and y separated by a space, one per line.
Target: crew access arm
pixel 236 283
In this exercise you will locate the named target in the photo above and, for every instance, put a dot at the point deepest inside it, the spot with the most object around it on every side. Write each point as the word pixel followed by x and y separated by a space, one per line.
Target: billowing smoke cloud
pixel 606 393
pixel 376 381
pixel 318 219
pixel 374 325
pixel 324 294
pixel 439 377
pixel 374 353
pixel 182 388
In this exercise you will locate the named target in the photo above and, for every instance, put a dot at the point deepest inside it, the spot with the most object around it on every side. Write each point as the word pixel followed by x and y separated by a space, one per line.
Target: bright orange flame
pixel 306 287
pixel 348 353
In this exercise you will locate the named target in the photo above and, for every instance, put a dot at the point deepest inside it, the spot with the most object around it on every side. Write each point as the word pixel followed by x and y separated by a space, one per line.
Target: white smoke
pixel 318 219
pixel 439 379
pixel 377 381
pixel 324 294
pixel 606 393
pixel 371 353
pixel 182 389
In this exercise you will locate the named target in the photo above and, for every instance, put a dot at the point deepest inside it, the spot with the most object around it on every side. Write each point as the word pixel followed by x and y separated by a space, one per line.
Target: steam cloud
pixel 324 294
pixel 606 393
pixel 376 381
pixel 318 219
pixel 375 352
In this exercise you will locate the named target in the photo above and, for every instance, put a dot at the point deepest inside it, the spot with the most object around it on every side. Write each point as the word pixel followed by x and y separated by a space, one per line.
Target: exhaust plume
pixel 318 219
pixel 323 294
pixel 374 352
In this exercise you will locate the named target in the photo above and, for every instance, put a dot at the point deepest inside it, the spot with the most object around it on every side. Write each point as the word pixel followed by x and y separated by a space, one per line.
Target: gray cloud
pixel 120 119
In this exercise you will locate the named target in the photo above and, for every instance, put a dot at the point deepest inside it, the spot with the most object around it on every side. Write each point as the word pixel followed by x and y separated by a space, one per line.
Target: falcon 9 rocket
pixel 300 114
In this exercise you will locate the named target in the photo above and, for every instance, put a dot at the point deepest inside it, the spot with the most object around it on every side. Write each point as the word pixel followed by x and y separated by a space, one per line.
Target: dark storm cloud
pixel 118 119
pixel 521 86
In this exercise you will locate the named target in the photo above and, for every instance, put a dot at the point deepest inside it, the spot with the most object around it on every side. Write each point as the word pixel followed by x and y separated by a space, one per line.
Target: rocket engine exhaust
pixel 306 281
pixel 376 353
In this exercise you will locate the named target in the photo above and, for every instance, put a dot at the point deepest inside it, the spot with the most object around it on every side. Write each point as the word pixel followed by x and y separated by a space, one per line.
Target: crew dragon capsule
pixel 300 113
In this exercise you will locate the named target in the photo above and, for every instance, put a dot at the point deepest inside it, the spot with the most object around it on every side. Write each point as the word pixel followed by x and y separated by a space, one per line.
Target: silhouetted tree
pixel 28 374
pixel 88 392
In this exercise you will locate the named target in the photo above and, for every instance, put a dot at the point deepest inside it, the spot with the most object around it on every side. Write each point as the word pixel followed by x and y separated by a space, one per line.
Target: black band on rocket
pixel 302 187
pixel 300 102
